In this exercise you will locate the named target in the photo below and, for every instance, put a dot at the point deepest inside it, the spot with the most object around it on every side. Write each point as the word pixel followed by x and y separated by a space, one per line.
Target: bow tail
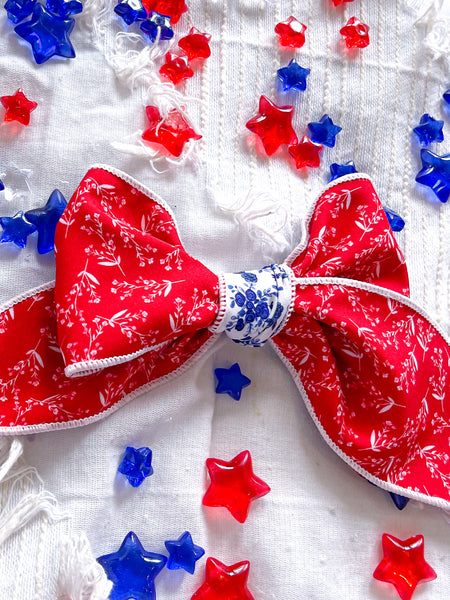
pixel 374 372
pixel 35 394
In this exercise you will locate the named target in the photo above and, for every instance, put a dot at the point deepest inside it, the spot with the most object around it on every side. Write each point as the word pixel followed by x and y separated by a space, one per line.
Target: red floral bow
pixel 130 308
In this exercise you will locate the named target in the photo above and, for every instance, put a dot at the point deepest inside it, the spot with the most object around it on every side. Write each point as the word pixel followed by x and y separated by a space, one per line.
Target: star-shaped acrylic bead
pixel 446 96
pixel 337 170
pixel 63 9
pixel 18 107
pixel 397 224
pixel 45 220
pixel 399 501
pixel 183 553
pixel 172 133
pixel 338 2
pixel 171 8
pixel 2 186
pixel 234 485
pixel 403 564
pixel 196 44
pixel 156 25
pixel 132 570
pixel 324 131
pixel 231 381
pixel 306 153
pixel 130 11
pixel 429 130
pixel 291 33
pixel 355 34
pixel 176 68
pixel 47 34
pixel 273 125
pixel 293 77
pixel 18 10
pixel 16 229
pixel 223 582
pixel 435 174
pixel 136 465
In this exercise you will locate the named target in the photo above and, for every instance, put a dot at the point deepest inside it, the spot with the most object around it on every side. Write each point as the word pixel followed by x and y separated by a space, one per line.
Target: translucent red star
pixel 172 132
pixel 18 107
pixel 273 125
pixel 306 153
pixel 224 582
pixel 176 68
pixel 291 33
pixel 196 44
pixel 170 8
pixel 355 34
pixel 338 2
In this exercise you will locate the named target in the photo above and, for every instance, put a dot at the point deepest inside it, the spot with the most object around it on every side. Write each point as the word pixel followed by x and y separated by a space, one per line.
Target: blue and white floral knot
pixel 255 305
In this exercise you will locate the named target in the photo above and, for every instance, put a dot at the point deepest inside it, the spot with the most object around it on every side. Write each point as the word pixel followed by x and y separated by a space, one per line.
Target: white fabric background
pixel 317 535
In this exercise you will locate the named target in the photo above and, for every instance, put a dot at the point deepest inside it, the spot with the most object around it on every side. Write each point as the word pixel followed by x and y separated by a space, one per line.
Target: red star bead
pixel 338 2
pixel 18 107
pixel 355 34
pixel 195 44
pixel 273 125
pixel 291 33
pixel 306 153
pixel 234 485
pixel 176 68
pixel 223 582
pixel 172 132
pixel 403 564
pixel 170 8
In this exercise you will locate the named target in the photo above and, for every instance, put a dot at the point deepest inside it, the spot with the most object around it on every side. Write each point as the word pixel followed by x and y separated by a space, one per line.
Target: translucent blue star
pixel 183 553
pixel 131 11
pixel 293 76
pixel 435 174
pixel 395 220
pixel 132 570
pixel 446 96
pixel 45 219
pixel 399 501
pixel 324 132
pixel 63 9
pixel 136 465
pixel 16 229
pixel 156 23
pixel 47 34
pixel 429 130
pixel 2 186
pixel 337 171
pixel 231 381
pixel 18 10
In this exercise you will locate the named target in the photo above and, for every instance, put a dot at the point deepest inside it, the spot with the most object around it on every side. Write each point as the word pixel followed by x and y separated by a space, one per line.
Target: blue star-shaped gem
pixel 293 76
pixel 156 23
pixel 132 570
pixel 2 186
pixel 45 219
pixel 63 9
pixel 131 11
pixel 337 171
pixel 435 174
pixel 399 501
pixel 16 229
pixel 136 465
pixel 395 220
pixel 47 34
pixel 429 130
pixel 183 553
pixel 324 132
pixel 18 10
pixel 446 96
pixel 231 381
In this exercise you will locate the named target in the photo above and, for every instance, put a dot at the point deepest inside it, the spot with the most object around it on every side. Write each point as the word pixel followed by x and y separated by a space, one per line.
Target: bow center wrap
pixel 255 305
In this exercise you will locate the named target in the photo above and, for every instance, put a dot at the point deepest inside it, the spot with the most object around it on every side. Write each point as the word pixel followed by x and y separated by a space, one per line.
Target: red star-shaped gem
pixel 403 564
pixel 355 34
pixel 170 8
pixel 234 485
pixel 273 125
pixel 291 33
pixel 306 153
pixel 172 132
pixel 338 2
pixel 18 107
pixel 176 68
pixel 196 44
pixel 223 582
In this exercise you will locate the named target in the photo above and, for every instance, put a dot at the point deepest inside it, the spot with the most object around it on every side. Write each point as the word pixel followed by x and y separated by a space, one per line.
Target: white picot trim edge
pixel 222 303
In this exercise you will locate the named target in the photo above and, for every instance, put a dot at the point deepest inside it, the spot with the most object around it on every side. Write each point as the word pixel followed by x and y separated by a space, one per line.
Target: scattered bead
pixel 2 186
pixel 63 9
pixel 172 132
pixel 429 130
pixel 337 171
pixel 435 173
pixel 273 125
pixel 397 224
pixel 136 465
pixel 338 2
pixel 130 11
pixel 224 582
pixel 355 34
pixel 16 229
pixel 399 501
pixel 291 33
pixel 183 553
pixel 306 153
pixel 446 96
pixel 403 564
pixel 132 570
pixel 293 76
pixel 155 24
pixel 171 8
pixel 45 220
pixel 176 68
pixel 231 381
pixel 324 132
pixel 18 107
pixel 18 10
pixel 196 44
pixel 234 485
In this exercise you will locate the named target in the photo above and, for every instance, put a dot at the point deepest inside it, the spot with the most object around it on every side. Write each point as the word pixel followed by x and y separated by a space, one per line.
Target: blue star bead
pixel 132 570
pixel 2 186
pixel 45 219
pixel 293 76
pixel 435 173
pixel 16 229
pixel 429 130
pixel 183 553
pixel 324 132
pixel 47 34
pixel 136 465
pixel 337 171
pixel 399 501
pixel 18 10
pixel 155 23
pixel 231 381
pixel 395 220
pixel 131 11
pixel 446 96
pixel 63 9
